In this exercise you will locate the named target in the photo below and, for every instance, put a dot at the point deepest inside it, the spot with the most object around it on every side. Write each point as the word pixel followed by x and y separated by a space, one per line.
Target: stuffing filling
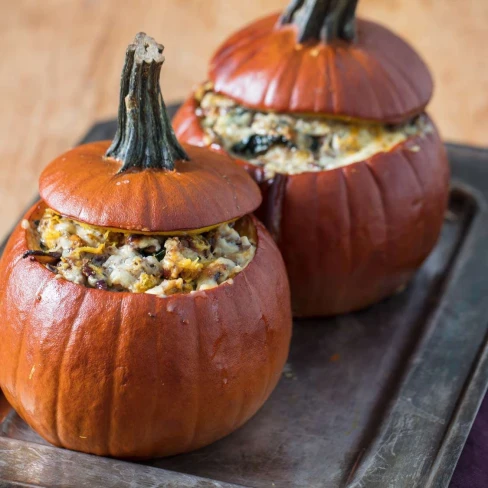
pixel 156 264
pixel 292 144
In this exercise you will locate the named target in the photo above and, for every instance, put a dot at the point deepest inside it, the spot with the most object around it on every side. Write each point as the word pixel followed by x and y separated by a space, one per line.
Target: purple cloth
pixel 472 468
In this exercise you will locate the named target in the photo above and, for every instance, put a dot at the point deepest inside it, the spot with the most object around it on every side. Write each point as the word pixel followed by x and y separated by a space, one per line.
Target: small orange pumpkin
pixel 354 234
pixel 132 374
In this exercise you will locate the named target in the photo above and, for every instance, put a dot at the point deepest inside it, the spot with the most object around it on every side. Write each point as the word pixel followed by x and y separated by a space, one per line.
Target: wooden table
pixel 61 63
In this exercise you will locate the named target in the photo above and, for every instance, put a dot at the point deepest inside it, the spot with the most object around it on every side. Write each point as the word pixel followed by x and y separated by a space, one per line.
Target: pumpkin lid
pixel 317 58
pixel 144 179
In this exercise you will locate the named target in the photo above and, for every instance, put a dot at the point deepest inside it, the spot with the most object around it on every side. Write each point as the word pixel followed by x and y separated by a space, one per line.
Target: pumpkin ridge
pixel 394 83
pixel 355 55
pixel 58 402
pixel 197 209
pixel 348 236
pixel 392 94
pixel 118 319
pixel 398 66
pixel 238 64
pixel 366 75
pixel 195 184
pixel 228 51
pixel 421 198
pixel 384 213
pixel 319 209
pixel 159 203
pixel 23 332
pixel 281 68
pixel 407 155
pixel 240 400
pixel 294 92
pixel 157 330
pixel 257 299
pixel 400 61
pixel 316 189
pixel 19 354
pixel 324 76
pixel 197 395
pixel 229 182
pixel 332 79
pixel 73 315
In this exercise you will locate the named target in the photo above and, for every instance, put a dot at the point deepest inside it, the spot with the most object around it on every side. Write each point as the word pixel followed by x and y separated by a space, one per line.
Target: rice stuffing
pixel 157 264
pixel 293 144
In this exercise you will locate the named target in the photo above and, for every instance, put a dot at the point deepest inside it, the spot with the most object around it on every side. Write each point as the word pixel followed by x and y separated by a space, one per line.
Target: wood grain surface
pixel 62 60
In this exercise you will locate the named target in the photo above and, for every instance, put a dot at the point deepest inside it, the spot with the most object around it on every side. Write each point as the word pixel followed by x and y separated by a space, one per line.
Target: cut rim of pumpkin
pixel 175 233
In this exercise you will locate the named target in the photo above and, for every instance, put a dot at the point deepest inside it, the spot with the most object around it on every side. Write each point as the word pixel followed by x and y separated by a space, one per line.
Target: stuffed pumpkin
pixel 144 311
pixel 327 113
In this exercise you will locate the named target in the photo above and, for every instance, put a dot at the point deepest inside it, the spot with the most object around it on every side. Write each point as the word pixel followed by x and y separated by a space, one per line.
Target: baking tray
pixel 380 398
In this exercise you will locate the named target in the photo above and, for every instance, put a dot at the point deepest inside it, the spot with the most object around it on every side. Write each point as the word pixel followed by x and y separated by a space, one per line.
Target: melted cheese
pixel 292 144
pixel 157 264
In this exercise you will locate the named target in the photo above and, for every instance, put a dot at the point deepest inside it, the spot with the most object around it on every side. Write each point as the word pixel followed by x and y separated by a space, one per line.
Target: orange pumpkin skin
pixel 134 375
pixel 378 77
pixel 84 185
pixel 353 235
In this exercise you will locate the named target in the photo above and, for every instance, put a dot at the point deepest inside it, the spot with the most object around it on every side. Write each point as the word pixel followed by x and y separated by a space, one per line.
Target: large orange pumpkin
pixel 352 235
pixel 131 374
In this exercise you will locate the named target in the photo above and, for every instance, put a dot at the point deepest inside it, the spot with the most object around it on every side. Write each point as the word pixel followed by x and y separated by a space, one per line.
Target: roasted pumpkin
pixel 98 364
pixel 326 111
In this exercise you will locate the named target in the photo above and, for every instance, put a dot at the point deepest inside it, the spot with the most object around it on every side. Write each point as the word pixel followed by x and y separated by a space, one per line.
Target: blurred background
pixel 61 63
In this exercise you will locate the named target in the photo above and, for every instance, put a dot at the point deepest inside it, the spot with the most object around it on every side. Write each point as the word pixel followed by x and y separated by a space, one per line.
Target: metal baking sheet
pixel 380 398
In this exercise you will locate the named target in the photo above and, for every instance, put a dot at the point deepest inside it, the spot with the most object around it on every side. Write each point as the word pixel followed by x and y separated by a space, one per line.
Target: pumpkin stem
pixel 144 138
pixel 324 20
